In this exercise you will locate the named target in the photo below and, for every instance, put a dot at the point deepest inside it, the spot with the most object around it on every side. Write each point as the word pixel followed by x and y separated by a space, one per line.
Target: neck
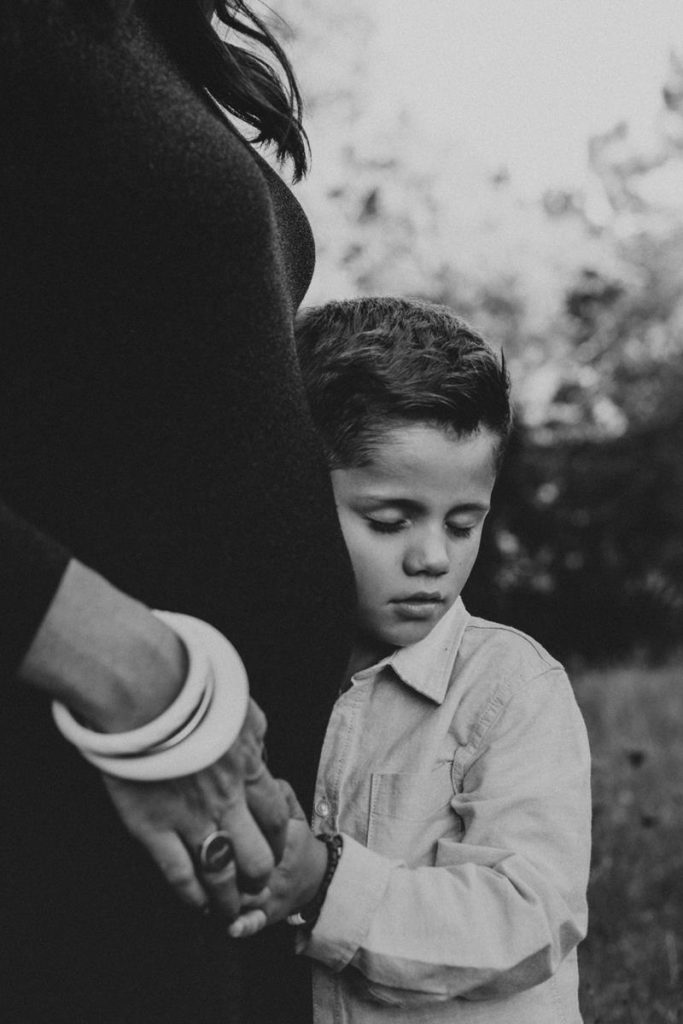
pixel 365 652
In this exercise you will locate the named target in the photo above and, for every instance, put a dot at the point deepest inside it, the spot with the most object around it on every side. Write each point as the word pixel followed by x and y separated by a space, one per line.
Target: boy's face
pixel 412 522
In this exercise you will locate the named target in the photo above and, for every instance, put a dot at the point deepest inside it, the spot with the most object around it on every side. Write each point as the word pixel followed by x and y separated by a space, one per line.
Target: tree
pixel 584 291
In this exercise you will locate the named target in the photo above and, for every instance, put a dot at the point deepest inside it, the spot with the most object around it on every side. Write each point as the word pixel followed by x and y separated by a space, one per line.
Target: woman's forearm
pixel 104 654
pixel 118 666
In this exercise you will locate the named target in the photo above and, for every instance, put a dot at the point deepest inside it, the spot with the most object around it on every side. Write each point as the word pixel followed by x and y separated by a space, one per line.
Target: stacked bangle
pixel 308 915
pixel 193 732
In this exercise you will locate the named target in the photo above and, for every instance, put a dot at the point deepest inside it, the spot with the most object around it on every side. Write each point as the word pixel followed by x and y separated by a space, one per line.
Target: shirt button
pixel 322 807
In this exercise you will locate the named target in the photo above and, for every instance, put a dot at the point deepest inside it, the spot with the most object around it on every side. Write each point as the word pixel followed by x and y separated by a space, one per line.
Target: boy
pixel 455 764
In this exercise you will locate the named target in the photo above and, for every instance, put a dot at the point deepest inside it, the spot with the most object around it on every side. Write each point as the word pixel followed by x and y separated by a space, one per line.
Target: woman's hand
pixel 116 665
pixel 294 882
pixel 237 795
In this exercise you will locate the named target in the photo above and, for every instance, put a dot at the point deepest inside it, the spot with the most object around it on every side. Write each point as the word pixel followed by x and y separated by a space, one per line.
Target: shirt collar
pixel 427 666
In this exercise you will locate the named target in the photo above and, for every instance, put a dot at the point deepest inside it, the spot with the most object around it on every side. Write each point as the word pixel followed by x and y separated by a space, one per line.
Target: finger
pixel 221 886
pixel 255 900
pixel 248 924
pixel 293 806
pixel 263 793
pixel 269 808
pixel 177 867
pixel 253 855
pixel 255 723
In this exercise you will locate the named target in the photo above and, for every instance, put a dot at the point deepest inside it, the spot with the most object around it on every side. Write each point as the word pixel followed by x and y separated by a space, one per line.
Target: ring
pixel 216 852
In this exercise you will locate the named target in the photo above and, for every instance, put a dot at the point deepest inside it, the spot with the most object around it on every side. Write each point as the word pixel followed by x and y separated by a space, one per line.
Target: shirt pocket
pixel 410 812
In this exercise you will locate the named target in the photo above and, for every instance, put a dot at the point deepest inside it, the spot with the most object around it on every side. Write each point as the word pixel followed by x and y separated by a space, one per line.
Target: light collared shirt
pixel 458 771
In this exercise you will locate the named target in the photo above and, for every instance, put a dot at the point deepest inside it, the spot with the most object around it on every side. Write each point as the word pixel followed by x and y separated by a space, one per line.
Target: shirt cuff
pixel 355 892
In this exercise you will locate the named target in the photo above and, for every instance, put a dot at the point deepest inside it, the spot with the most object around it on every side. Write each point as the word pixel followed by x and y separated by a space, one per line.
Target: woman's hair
pixel 247 84
pixel 371 364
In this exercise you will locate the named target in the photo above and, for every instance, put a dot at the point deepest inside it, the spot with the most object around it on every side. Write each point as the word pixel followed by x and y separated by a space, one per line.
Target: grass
pixel 632 960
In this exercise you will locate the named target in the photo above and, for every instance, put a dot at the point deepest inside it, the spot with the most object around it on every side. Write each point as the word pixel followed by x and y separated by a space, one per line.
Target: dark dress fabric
pixel 152 423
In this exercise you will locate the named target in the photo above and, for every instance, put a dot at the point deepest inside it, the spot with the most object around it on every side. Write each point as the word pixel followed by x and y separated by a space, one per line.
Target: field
pixel 632 960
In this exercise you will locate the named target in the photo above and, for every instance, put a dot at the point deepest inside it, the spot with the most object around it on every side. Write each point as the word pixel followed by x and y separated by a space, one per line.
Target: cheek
pixel 467 558
pixel 368 565
pixel 355 536
pixel 463 556
pixel 371 559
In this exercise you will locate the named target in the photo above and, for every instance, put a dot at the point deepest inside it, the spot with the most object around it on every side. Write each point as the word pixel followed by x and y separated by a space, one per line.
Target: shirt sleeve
pixel 31 567
pixel 499 909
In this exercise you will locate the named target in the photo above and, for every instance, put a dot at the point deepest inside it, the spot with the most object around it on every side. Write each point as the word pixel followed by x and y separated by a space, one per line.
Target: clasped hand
pixel 236 794
pixel 295 880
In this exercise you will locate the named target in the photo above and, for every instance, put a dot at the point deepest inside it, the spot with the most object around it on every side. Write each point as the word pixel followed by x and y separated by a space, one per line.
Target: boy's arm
pixel 500 910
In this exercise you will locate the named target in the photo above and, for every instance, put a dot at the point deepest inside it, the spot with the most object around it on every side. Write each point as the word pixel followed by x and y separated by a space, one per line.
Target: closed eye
pixel 459 531
pixel 382 526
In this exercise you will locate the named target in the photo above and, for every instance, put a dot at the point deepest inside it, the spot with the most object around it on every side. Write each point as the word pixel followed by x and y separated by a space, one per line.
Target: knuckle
pixel 257 871
pixel 224 890
pixel 232 800
pixel 257 722
pixel 255 770
pixel 180 876
pixel 193 898
pixel 143 832
pixel 139 830
pixel 286 790
pixel 279 819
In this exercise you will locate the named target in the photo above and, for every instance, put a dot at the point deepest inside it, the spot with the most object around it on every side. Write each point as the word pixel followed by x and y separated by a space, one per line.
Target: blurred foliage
pixel 584 549
pixel 584 291
pixel 585 545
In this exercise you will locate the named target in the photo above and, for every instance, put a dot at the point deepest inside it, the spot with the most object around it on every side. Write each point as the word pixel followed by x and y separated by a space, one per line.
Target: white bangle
pixel 137 741
pixel 213 733
pixel 194 719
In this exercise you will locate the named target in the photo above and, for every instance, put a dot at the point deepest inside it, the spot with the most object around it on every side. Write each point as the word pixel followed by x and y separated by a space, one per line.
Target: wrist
pixel 315 874
pixel 193 732
pixel 104 654
pixel 308 914
pixel 146 679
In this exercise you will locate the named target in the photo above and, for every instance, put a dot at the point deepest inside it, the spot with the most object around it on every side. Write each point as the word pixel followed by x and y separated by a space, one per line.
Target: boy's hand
pixel 294 882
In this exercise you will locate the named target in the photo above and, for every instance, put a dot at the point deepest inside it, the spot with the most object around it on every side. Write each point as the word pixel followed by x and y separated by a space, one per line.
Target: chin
pixel 410 634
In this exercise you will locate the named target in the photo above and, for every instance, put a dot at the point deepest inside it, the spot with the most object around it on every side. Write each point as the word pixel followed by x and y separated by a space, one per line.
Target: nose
pixel 427 554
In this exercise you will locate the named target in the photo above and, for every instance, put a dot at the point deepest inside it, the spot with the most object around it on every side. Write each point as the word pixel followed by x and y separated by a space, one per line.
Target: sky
pixel 523 83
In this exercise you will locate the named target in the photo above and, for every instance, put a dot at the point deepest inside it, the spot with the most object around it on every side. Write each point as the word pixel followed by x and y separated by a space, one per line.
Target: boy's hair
pixel 372 363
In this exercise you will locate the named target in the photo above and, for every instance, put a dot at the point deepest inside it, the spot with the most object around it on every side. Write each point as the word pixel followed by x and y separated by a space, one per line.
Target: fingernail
pixel 235 930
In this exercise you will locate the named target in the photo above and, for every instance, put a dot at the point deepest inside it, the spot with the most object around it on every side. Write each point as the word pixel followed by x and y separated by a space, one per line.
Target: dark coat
pixel 152 423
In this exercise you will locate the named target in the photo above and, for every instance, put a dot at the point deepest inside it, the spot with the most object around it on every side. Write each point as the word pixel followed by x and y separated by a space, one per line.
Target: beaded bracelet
pixel 308 915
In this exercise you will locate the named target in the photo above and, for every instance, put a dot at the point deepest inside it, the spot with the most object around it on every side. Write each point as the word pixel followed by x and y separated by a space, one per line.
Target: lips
pixel 418 606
